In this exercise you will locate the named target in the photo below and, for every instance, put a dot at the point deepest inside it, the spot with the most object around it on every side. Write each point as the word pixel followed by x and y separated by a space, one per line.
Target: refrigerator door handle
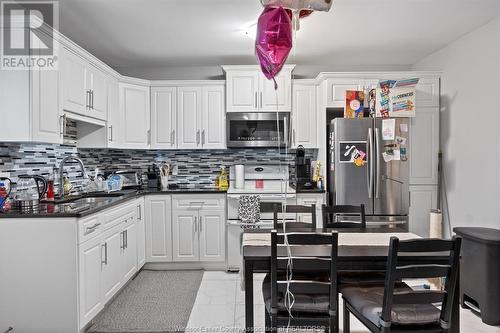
pixel 378 153
pixel 369 169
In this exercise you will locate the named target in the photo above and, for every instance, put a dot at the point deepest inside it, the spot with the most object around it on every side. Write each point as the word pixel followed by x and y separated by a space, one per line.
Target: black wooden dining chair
pixel 315 294
pixel 331 213
pixel 294 209
pixel 396 307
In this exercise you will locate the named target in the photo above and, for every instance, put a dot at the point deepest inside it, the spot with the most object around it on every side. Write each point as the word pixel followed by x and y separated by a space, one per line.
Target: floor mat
pixel 155 301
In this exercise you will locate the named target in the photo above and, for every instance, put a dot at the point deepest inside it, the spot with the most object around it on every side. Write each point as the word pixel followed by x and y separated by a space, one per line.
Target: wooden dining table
pixel 359 250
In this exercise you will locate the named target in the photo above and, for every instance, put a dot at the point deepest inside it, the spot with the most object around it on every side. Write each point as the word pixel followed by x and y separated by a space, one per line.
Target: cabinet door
pixel 185 235
pixel 164 117
pixel 158 228
pixel 90 258
pixel 336 89
pixel 47 122
pixel 74 84
pixel 422 200
pixel 211 228
pixel 141 235
pixel 424 146
pixel 213 133
pixel 304 117
pixel 271 99
pixel 242 90
pixel 427 93
pixel 98 93
pixel 129 248
pixel 134 105
pixel 188 117
pixel 114 119
pixel 111 263
pixel 308 199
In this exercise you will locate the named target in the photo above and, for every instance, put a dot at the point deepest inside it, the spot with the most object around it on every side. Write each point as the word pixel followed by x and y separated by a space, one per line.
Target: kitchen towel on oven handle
pixel 249 211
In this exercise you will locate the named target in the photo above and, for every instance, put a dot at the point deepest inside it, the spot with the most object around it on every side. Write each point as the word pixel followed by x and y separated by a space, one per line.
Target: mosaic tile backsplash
pixel 196 168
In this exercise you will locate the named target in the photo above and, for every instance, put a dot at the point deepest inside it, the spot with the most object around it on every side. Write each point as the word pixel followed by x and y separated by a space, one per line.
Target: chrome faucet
pixel 61 172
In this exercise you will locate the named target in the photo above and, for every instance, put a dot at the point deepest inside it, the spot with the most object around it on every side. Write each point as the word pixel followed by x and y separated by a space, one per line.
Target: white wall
pixel 470 124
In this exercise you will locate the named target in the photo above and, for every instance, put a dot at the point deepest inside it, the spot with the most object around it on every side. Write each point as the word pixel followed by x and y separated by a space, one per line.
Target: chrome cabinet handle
pixel 149 137
pixel 203 137
pixel 200 228
pixel 139 215
pixel 92 99
pixel 105 261
pixel 89 230
pixel 87 99
pixel 63 124
pixel 173 137
pixel 126 238
pixel 197 137
pixel 293 136
pixel 111 133
pixel 256 100
pixel 195 225
pixel 122 240
pixel 261 99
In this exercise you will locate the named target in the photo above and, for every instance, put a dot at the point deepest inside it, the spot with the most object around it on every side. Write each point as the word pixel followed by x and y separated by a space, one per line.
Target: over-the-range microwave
pixel 257 129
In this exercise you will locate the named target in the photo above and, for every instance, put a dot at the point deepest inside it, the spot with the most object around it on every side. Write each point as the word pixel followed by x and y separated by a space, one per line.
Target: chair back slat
pixel 436 269
pixel 426 245
pixel 331 212
pixel 293 209
pixel 300 238
pixel 421 271
pixel 310 251
pixel 418 297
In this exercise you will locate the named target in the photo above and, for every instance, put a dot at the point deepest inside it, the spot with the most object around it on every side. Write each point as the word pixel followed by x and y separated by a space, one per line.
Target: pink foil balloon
pixel 274 40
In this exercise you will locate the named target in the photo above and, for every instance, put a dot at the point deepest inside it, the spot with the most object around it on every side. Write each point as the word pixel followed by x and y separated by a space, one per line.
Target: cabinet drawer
pixel 196 202
pixel 118 214
pixel 89 227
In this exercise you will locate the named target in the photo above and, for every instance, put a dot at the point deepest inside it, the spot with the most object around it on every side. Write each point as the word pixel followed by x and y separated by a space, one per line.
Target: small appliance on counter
pixel 303 175
pixel 5 189
pixel 28 192
pixel 130 179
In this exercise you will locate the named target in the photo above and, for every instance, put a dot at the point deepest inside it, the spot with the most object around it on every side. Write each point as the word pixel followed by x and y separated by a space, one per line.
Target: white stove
pixel 271 183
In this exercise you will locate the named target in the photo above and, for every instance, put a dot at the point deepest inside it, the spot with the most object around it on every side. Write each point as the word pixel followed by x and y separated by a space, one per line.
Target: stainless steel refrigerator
pixel 382 186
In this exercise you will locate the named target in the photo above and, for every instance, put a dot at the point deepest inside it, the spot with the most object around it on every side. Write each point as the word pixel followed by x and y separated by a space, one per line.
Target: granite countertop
pixel 89 205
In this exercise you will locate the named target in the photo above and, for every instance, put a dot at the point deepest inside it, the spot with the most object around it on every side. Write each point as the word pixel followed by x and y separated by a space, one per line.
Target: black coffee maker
pixel 303 174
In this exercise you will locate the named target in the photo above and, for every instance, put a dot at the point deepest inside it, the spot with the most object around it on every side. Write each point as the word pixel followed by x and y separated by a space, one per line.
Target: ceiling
pixel 163 33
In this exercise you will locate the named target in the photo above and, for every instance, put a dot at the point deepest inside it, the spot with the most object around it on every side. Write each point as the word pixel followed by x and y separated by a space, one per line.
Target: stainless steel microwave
pixel 257 129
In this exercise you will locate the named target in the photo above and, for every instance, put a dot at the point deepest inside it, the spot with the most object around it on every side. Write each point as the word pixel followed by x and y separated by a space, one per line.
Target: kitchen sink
pixel 89 197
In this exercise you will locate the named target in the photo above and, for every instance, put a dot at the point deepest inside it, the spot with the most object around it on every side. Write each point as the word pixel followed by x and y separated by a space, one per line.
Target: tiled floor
pixel 220 307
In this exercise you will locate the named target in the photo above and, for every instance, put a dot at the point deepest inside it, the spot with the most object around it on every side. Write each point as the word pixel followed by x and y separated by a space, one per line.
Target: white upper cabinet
pixel 248 90
pixel 75 94
pixel 213 132
pixel 271 99
pixel 304 116
pixel 83 86
pixel 134 110
pixel 242 90
pixel 114 130
pixel 427 92
pixel 336 88
pixel 163 117
pixel 189 117
pixel 424 145
pixel 98 94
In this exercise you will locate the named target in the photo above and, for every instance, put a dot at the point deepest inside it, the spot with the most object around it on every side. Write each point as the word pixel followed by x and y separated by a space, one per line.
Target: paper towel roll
pixel 239 176
pixel 436 224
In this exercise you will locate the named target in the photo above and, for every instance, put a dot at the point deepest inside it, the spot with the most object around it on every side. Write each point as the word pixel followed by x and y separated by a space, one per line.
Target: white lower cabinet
pixel 90 272
pixel 308 199
pixel 111 262
pixel 158 220
pixel 108 260
pixel 185 235
pixel 423 198
pixel 141 234
pixel 198 226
